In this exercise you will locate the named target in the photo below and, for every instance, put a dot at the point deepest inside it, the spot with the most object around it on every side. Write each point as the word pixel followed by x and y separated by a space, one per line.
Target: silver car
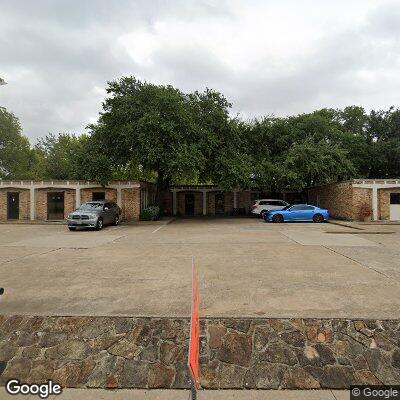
pixel 94 214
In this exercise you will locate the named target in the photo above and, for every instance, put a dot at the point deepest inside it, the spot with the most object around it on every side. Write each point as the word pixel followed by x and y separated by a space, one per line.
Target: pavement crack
pixel 362 265
pixel 29 255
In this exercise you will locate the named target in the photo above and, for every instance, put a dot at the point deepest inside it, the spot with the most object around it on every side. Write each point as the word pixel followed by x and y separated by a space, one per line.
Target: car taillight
pixel 254 206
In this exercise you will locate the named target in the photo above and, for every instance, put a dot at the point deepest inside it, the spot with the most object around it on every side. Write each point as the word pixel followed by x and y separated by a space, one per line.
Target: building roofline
pixel 359 181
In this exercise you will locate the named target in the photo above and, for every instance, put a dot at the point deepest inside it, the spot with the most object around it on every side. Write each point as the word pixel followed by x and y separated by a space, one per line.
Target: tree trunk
pixel 162 185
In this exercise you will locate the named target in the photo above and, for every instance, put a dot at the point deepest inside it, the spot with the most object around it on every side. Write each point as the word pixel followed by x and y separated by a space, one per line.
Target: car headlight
pixel 69 216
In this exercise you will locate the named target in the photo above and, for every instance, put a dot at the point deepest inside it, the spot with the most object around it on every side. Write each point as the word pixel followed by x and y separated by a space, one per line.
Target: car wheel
pixel 277 218
pixel 116 220
pixel 99 225
pixel 318 218
pixel 71 228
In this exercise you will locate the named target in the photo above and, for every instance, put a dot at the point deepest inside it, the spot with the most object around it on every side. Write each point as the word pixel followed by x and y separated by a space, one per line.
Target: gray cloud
pixel 266 56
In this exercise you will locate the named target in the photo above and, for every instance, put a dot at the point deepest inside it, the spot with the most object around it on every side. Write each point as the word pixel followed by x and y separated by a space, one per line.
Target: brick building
pixel 50 201
pixel 53 201
pixel 354 200
pixel 192 200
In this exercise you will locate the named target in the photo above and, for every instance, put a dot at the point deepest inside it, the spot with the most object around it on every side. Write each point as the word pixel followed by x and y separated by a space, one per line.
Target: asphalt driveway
pixel 246 268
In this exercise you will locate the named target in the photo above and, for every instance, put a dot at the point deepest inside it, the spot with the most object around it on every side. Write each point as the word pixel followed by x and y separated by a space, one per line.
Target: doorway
pixel 395 206
pixel 55 205
pixel 13 205
pixel 98 196
pixel 189 204
pixel 219 204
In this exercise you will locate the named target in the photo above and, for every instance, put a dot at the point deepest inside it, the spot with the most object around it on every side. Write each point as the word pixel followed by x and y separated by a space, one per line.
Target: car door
pixel 304 212
pixel 294 213
pixel 262 205
pixel 115 211
pixel 107 213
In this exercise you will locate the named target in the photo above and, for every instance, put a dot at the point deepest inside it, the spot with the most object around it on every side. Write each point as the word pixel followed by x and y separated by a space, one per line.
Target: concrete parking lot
pixel 246 268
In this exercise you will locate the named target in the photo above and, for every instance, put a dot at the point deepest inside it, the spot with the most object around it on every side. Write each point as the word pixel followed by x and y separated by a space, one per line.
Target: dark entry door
pixel 55 205
pixel 13 205
pixel 219 204
pixel 189 204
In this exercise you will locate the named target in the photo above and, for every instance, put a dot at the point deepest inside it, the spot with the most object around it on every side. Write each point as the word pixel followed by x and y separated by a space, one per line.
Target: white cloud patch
pixel 266 56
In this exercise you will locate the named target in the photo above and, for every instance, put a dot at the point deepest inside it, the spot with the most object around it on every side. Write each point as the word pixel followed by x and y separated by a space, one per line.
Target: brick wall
pixel 24 203
pixel 360 198
pixel 41 202
pixel 166 203
pixel 87 194
pixel 384 202
pixel 131 204
pixel 341 199
pixel 69 202
pixel 198 202
pixel 228 206
pixel 211 203
pixel 244 200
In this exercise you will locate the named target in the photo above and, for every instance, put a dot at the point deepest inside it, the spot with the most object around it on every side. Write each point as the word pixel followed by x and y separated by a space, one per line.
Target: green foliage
pixel 151 213
pixel 160 134
pixel 61 155
pixel 16 157
pixel 149 127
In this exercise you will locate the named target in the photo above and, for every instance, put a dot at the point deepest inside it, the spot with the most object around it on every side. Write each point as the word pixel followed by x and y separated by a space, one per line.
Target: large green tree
pixel 16 157
pixel 177 137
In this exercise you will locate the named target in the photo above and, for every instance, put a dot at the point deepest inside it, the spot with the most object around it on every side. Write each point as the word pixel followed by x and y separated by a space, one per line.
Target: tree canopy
pixel 16 156
pixel 161 134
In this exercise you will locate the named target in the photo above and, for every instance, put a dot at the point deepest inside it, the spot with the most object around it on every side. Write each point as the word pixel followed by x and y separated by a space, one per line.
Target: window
pixel 98 196
pixel 277 203
pixel 394 198
pixel 301 207
pixel 263 203
pixel 90 206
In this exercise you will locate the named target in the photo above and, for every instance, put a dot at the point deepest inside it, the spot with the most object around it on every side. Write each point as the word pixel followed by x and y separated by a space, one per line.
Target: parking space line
pixel 156 230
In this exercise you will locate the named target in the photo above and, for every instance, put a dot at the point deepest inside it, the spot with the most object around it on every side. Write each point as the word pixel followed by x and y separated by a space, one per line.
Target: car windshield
pixel 91 206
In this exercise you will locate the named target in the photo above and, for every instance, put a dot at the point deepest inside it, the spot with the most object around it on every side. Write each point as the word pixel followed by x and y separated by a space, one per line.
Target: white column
pixel 174 203
pixel 77 197
pixel 119 197
pixel 375 203
pixel 32 203
pixel 235 199
pixel 204 202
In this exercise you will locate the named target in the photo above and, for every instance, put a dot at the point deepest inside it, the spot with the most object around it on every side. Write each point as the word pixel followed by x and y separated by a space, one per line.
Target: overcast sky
pixel 268 56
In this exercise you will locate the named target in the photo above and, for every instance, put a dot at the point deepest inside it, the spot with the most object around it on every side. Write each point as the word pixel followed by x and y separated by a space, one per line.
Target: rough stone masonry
pixel 119 352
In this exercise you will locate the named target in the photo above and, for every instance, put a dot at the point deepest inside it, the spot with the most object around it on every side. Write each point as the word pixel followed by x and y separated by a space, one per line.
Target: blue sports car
pixel 298 212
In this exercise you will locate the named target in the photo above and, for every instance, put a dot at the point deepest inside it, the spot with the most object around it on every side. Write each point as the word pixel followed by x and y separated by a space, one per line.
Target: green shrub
pixel 151 213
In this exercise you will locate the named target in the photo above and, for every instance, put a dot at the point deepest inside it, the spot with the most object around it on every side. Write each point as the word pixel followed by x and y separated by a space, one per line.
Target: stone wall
pixel 384 202
pixel 341 199
pixel 123 352
pixel 24 203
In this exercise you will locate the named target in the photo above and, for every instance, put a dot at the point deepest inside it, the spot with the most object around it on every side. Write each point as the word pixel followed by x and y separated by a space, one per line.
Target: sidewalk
pixel 135 394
